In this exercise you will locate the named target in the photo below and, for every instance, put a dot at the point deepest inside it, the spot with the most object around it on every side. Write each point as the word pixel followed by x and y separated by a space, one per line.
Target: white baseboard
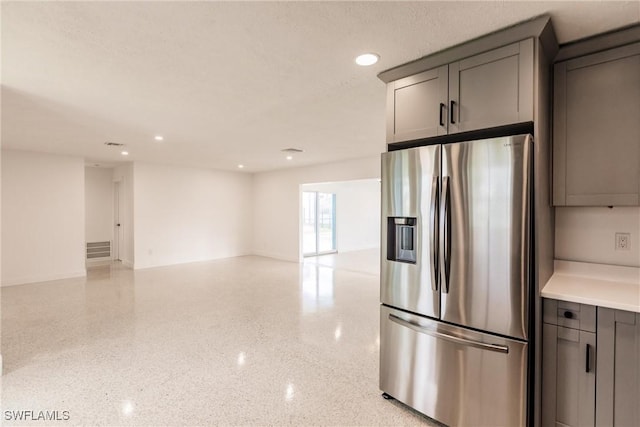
pixel 274 255
pixel 98 261
pixel 127 263
pixel 43 278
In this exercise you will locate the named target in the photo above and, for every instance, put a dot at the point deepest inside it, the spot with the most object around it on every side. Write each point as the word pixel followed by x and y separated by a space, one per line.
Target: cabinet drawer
pixel 570 315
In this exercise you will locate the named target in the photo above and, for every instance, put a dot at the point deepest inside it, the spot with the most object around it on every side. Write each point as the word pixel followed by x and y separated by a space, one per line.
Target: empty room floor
pixel 363 261
pixel 240 341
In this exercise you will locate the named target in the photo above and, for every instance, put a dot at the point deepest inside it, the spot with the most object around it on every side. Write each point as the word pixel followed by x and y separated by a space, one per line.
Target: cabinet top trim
pixel 539 27
pixel 599 42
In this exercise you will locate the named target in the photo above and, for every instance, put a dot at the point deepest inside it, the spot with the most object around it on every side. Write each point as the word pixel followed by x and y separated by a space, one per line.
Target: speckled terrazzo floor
pixel 240 341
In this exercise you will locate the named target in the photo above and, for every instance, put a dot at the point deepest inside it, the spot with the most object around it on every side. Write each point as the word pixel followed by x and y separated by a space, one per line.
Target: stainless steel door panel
pixel 410 182
pixel 456 376
pixel 488 230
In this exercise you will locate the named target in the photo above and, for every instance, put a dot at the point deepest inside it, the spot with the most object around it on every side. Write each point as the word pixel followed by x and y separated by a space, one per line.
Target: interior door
pixel 117 225
pixel 410 190
pixel 485 234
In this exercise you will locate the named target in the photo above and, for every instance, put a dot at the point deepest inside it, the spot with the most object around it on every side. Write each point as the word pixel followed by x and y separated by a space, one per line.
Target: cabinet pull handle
pixel 453 104
pixel 442 107
pixel 588 347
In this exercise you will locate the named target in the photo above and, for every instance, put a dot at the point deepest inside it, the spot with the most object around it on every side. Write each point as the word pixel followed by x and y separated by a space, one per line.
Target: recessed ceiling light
pixel 124 153
pixel 367 59
pixel 158 138
pixel 289 157
pixel 240 166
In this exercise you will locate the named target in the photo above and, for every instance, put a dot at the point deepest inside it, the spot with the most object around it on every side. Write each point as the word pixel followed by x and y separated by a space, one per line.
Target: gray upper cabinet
pixel 596 132
pixel 492 89
pixel 618 385
pixel 417 106
pixel 486 90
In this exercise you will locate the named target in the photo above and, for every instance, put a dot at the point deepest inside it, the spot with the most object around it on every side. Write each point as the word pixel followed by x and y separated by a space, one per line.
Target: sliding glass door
pixel 318 223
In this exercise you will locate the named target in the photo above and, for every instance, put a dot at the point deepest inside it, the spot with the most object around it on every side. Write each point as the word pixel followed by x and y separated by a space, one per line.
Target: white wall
pixel 587 234
pixel 124 175
pixel 186 214
pixel 357 212
pixel 276 207
pixel 98 197
pixel 1 363
pixel 42 217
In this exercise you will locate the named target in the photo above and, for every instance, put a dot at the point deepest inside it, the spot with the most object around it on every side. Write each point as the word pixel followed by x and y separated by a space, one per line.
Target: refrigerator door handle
pixel 445 234
pixel 433 232
pixel 458 340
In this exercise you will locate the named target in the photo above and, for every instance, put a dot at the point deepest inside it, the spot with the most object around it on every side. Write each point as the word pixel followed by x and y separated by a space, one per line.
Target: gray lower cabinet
pixel 596 130
pixel 569 364
pixel 490 89
pixel 582 386
pixel 618 366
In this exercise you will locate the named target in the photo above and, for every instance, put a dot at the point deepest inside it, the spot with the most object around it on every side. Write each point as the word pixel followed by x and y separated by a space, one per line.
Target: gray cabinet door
pixel 492 89
pixel 569 380
pixel 596 133
pixel 416 106
pixel 618 389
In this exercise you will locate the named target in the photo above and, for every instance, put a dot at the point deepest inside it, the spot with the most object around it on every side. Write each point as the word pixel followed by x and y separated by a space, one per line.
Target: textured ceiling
pixel 233 82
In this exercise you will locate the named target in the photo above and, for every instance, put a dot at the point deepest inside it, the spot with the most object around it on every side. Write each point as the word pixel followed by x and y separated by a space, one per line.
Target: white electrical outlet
pixel 623 241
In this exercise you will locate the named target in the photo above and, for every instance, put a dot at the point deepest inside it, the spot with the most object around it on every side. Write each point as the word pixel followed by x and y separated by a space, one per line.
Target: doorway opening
pixel 99 210
pixel 354 240
pixel 318 223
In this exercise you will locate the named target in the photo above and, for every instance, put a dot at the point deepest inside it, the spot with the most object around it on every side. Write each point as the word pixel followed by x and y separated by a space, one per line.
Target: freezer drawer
pixel 456 376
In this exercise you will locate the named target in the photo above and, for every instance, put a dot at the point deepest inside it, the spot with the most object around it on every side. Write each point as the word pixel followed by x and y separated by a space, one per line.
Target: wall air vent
pixel 98 250
pixel 292 150
pixel 113 144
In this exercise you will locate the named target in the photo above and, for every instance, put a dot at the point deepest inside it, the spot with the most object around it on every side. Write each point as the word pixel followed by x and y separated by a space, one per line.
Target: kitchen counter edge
pixel 600 285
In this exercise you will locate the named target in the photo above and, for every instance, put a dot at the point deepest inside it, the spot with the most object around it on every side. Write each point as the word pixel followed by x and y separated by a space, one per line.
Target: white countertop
pixel 595 284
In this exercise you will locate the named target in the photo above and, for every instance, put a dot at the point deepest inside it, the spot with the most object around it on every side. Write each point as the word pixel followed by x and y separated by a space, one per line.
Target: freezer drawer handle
pixel 484 346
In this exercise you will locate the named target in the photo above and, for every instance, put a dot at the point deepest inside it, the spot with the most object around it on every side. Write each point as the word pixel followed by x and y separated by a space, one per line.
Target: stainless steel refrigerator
pixel 456 280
